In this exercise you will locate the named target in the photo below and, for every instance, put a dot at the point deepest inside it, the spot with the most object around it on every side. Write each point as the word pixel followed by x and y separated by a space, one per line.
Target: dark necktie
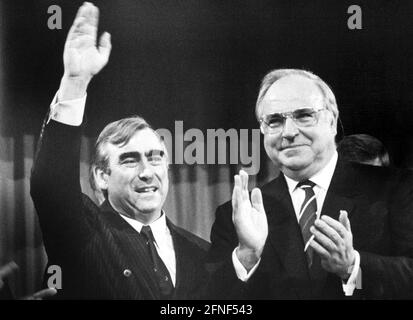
pixel 161 272
pixel 308 214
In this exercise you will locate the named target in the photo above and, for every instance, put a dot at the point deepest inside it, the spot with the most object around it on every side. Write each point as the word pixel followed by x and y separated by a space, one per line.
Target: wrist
pixel 73 87
pixel 349 270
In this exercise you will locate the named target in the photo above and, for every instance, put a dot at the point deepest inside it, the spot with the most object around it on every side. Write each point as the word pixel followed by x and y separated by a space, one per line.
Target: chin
pixel 147 205
pixel 295 164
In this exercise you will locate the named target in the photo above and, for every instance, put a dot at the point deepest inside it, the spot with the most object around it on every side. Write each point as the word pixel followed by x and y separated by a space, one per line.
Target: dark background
pixel 201 61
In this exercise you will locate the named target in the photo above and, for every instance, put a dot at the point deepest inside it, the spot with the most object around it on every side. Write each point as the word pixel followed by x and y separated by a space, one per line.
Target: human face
pixel 137 179
pixel 299 152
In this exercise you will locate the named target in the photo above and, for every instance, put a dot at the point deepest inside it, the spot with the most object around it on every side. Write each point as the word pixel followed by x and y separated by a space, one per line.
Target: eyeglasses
pixel 274 123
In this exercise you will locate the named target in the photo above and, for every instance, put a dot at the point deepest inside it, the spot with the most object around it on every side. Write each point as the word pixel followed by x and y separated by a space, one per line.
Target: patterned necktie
pixel 161 272
pixel 307 216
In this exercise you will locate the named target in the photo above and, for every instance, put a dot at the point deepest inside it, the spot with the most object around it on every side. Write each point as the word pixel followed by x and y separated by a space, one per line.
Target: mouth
pixel 149 189
pixel 291 146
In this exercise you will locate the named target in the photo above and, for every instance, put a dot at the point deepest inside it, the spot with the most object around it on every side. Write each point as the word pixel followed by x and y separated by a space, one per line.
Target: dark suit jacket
pixel 94 246
pixel 379 202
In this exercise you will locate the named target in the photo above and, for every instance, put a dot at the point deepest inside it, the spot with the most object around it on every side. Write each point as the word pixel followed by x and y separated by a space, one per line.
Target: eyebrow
pixel 138 155
pixel 155 152
pixel 132 154
pixel 298 109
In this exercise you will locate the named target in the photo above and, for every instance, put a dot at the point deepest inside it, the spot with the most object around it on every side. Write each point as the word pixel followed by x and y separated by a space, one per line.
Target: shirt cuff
pixel 69 112
pixel 354 282
pixel 240 270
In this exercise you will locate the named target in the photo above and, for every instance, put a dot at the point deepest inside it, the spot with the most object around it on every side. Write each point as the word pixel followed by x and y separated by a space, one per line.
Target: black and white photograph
pixel 206 150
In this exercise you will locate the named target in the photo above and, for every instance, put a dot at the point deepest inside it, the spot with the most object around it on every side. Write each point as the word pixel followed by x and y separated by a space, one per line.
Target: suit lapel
pixel 284 232
pixel 342 193
pixel 184 262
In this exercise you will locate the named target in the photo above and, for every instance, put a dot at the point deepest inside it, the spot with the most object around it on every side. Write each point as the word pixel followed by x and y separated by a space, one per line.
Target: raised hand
pixel 250 221
pixel 82 59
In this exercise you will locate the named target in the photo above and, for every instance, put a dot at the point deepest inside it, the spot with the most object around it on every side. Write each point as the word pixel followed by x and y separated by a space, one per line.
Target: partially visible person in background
pixel 6 294
pixel 364 148
pixel 5 272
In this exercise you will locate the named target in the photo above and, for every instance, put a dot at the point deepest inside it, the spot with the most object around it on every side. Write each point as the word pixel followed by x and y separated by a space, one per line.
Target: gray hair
pixel 274 75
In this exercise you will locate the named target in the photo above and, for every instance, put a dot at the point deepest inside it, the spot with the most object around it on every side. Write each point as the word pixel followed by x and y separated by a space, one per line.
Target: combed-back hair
pixel 271 77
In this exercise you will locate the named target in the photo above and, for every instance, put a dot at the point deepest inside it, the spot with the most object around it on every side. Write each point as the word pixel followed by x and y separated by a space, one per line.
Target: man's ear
pixel 333 122
pixel 101 178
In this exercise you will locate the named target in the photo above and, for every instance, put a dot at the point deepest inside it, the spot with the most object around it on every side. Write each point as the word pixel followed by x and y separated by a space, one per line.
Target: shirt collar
pixel 158 226
pixel 322 178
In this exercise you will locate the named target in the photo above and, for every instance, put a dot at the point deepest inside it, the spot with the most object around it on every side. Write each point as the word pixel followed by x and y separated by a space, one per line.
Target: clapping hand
pixel 250 221
pixel 333 241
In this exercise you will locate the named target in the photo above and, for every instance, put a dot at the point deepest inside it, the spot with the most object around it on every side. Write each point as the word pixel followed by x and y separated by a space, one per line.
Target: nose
pixel 290 130
pixel 145 171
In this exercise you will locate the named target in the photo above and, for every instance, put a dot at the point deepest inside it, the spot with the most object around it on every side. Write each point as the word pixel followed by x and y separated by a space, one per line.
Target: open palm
pixel 249 217
pixel 81 57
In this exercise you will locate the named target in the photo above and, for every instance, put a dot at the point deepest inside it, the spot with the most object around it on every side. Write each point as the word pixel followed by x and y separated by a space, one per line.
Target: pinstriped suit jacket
pixel 94 246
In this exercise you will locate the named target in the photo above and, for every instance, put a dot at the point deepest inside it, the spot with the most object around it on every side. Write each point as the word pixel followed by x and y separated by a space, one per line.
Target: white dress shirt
pixel 322 180
pixel 70 112
pixel 163 241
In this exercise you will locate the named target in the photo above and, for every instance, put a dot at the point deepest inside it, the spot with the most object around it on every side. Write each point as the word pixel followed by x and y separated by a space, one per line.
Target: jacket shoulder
pixel 191 238
pixel 378 174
